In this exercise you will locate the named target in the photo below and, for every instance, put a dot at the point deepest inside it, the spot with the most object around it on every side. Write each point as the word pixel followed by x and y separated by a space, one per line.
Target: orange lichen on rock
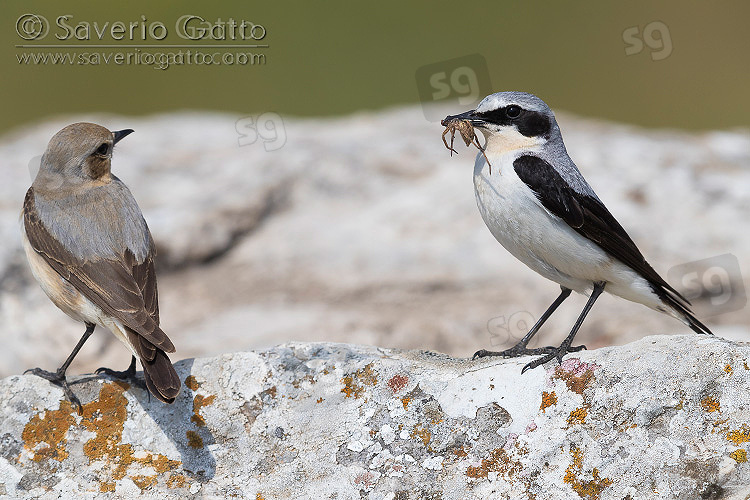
pixel 576 374
pixel 498 461
pixel 739 436
pixel 422 433
pixel 405 402
pixel 199 402
pixel 144 482
pixel 192 383
pixel 591 488
pixel 48 428
pixel 710 404
pixel 548 399
pixel 107 486
pixel 354 384
pixel 105 418
pixel 578 416
pixel 739 456
pixel 728 369
pixel 194 439
pixel 176 481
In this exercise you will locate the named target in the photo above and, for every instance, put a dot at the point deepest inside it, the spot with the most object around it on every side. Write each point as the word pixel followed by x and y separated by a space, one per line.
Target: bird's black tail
pixel 681 307
pixel 161 378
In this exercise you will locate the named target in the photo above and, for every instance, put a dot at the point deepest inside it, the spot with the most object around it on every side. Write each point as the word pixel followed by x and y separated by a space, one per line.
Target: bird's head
pixel 512 121
pixel 79 153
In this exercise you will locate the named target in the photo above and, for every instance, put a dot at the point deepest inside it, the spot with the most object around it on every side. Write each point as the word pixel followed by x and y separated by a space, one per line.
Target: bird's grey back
pixel 101 221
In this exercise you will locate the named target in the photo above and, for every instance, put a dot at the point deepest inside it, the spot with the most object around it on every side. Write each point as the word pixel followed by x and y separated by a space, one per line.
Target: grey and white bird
pixel 90 249
pixel 540 208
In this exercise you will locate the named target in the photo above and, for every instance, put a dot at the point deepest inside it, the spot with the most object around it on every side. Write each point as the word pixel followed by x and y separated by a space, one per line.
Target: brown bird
pixel 92 253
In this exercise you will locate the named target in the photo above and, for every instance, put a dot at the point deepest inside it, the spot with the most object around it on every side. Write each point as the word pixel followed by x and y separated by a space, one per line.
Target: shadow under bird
pixel 93 255
pixel 540 208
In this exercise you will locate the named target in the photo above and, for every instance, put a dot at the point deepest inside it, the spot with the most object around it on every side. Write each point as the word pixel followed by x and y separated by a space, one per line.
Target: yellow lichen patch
pixel 354 385
pixel 48 428
pixel 258 496
pixel 423 434
pixel 739 456
pixel 578 416
pixel 728 369
pixel 107 486
pixel 199 402
pixel 739 436
pixel 144 482
pixel 194 439
pixel 106 417
pixel 710 404
pixel 192 383
pixel 176 481
pixel 548 399
pixel 591 488
pixel 744 363
pixel 498 461
pixel 405 402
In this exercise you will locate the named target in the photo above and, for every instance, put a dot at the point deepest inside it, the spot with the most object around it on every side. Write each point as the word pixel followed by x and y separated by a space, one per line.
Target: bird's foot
pixel 128 375
pixel 514 352
pixel 557 352
pixel 58 378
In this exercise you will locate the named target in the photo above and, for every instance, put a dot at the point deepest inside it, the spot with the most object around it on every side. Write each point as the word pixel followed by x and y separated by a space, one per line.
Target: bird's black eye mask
pixel 528 123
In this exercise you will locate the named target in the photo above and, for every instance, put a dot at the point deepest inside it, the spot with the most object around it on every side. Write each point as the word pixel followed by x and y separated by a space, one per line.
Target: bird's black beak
pixel 470 116
pixel 120 134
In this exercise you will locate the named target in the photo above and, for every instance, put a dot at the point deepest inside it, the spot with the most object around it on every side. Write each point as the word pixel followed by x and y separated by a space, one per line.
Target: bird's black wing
pixel 589 217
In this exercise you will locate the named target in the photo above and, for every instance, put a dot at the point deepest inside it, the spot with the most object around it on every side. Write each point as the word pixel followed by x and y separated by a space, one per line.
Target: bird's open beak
pixel 120 134
pixel 470 116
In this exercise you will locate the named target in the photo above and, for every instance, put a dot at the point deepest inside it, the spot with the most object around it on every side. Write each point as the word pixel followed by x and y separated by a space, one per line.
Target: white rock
pixel 666 413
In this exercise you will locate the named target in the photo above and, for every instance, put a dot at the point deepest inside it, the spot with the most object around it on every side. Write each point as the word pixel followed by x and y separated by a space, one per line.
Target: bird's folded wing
pixel 586 215
pixel 122 288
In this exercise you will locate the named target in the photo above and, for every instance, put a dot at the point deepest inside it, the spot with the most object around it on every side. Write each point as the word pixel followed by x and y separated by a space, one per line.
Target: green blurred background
pixel 339 57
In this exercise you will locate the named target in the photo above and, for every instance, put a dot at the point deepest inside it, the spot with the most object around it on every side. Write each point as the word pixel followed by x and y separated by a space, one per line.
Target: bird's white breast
pixel 539 239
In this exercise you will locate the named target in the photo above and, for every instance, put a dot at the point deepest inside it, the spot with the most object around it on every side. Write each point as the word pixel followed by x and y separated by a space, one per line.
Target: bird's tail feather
pixel 161 378
pixel 681 309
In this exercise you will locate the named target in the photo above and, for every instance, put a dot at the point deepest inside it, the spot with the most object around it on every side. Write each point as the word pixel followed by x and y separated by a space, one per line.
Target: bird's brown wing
pixel 123 288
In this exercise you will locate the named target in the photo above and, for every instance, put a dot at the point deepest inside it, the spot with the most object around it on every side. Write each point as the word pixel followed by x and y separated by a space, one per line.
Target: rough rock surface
pixel 663 417
pixel 364 229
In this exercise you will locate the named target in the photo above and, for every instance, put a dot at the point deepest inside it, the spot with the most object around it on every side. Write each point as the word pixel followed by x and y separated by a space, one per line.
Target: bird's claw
pixel 128 375
pixel 558 353
pixel 58 378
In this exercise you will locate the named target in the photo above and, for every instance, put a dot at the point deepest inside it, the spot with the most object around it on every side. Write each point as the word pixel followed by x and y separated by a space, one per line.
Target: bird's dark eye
pixel 513 111
pixel 103 149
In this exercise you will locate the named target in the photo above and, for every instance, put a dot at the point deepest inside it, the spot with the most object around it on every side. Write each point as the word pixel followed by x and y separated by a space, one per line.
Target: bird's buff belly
pixel 69 300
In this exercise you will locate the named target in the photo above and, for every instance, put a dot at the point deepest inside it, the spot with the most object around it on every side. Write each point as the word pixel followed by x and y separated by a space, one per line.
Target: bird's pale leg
pixel 58 377
pixel 565 346
pixel 520 348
